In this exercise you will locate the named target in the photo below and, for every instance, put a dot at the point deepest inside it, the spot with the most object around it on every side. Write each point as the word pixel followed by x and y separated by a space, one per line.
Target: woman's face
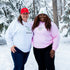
pixel 25 16
pixel 42 17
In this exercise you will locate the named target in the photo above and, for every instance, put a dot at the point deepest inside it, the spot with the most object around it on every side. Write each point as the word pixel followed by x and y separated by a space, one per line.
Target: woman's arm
pixel 9 37
pixel 55 36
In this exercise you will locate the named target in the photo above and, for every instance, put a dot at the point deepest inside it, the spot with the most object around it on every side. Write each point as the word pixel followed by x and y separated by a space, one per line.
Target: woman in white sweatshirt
pixel 18 37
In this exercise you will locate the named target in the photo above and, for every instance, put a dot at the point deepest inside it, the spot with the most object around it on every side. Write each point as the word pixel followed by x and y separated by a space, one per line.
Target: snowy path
pixel 63 55
pixel 61 61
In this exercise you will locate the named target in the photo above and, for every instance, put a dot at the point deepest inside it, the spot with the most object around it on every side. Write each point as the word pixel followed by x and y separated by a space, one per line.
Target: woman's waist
pixel 42 45
pixel 23 46
pixel 46 47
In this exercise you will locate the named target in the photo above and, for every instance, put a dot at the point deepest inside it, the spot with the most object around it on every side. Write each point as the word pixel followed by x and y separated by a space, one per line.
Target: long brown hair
pixel 20 19
pixel 47 22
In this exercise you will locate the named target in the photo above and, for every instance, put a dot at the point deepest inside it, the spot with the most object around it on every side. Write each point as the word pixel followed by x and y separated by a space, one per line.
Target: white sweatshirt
pixel 19 35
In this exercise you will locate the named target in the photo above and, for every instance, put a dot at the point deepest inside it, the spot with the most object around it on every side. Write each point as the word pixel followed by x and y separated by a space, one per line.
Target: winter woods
pixel 57 10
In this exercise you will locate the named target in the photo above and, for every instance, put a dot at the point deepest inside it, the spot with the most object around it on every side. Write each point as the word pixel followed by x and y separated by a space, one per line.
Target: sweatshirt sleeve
pixel 31 23
pixel 55 36
pixel 9 35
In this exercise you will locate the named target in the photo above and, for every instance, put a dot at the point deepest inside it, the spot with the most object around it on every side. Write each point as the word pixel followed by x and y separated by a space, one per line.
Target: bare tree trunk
pixel 34 7
pixel 64 4
pixel 61 7
pixel 55 14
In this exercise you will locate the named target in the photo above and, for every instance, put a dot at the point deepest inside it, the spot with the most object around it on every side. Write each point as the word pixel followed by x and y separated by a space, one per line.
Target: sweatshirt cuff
pixel 54 48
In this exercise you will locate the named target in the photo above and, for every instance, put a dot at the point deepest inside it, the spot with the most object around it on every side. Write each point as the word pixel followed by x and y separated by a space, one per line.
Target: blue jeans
pixel 19 59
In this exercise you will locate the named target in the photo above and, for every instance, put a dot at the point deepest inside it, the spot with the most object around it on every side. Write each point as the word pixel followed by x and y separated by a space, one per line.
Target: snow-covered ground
pixel 62 58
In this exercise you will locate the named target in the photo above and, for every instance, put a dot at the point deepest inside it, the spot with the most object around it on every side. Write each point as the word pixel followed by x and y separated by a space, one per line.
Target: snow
pixel 62 57
pixel 62 54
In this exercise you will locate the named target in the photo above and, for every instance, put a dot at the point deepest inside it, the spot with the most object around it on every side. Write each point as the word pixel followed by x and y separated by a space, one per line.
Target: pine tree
pixel 55 13
pixel 66 17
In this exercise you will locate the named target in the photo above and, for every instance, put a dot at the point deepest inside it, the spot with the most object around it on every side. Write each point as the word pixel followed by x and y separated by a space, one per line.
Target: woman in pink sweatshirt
pixel 45 40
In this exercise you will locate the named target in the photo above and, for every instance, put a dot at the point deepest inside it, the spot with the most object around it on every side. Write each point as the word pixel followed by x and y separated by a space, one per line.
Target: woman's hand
pixel 13 49
pixel 52 53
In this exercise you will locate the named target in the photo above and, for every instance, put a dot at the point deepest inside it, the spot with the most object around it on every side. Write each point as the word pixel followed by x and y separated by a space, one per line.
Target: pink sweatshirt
pixel 43 38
